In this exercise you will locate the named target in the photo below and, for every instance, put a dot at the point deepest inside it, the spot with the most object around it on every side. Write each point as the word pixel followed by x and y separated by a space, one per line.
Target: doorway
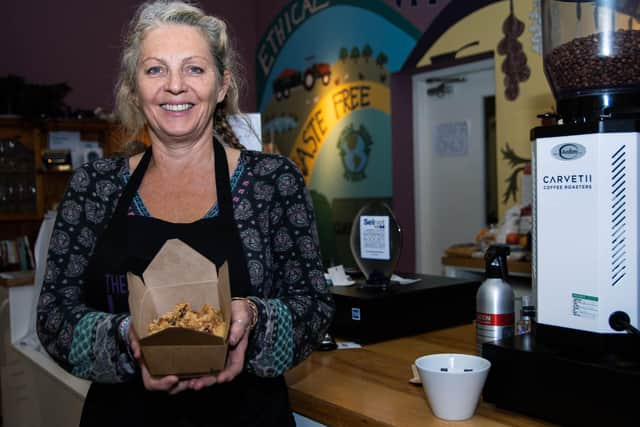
pixel 453 189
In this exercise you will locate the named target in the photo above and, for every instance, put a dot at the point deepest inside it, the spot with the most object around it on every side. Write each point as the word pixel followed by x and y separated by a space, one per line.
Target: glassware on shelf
pixel 11 196
pixel 17 177
pixel 376 241
pixel 4 203
pixel 3 155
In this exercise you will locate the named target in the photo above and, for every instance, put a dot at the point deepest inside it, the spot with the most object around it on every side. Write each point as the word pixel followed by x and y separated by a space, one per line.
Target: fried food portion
pixel 206 320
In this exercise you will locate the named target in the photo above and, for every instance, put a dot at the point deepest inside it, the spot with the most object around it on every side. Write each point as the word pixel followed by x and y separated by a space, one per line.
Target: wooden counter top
pixel 370 386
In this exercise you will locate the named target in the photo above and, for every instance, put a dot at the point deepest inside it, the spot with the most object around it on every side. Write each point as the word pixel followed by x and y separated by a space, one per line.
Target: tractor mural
pixel 290 78
pixel 317 71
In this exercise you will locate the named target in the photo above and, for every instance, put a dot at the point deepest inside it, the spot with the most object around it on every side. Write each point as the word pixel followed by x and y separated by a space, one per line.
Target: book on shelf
pixel 16 254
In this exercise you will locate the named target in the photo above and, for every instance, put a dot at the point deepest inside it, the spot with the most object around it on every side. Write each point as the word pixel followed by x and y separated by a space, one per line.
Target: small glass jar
pixel 527 316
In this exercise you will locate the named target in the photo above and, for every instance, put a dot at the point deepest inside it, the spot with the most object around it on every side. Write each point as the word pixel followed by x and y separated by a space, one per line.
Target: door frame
pixel 420 104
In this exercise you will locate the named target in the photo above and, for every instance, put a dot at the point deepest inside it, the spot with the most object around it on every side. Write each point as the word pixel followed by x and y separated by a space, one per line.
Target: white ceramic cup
pixel 452 383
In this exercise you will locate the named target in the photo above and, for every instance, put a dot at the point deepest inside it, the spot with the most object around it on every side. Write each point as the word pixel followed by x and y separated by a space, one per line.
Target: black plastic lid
pixel 496 261
pixel 529 311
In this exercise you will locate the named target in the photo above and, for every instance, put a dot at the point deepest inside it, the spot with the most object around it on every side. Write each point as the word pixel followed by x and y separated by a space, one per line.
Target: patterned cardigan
pixel 274 215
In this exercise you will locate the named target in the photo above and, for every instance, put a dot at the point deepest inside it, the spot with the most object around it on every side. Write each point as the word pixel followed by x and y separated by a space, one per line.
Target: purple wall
pixel 78 42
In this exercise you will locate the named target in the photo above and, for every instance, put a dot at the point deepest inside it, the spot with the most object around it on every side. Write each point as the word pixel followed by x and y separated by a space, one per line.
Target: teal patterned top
pixel 274 215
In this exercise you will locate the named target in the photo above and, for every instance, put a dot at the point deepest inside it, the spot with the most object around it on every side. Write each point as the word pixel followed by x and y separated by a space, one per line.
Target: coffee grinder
pixel 581 365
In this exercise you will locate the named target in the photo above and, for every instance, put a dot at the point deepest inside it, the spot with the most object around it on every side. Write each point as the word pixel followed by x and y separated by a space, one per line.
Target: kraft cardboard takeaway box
pixel 179 274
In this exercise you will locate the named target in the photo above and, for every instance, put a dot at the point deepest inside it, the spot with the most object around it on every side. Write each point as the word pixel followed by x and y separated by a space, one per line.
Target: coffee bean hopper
pixel 581 366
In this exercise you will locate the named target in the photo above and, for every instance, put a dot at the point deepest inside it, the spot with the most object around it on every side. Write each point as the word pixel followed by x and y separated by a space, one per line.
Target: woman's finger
pixel 239 327
pixel 241 318
pixel 201 382
pixel 180 386
pixel 152 383
pixel 133 343
pixel 235 361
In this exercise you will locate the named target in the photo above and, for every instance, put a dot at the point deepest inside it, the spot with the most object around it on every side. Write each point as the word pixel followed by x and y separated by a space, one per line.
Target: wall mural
pixel 516 71
pixel 323 70
pixel 517 164
pixel 514 66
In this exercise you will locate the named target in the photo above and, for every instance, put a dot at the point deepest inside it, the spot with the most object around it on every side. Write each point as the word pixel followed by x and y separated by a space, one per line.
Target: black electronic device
pixel 56 160
pixel 368 314
pixel 570 387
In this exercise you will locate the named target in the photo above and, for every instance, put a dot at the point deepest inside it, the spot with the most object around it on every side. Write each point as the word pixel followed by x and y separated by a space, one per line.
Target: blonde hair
pixel 151 15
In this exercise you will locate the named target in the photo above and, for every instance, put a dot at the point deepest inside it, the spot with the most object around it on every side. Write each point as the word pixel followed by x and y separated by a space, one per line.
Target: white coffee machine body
pixel 585 254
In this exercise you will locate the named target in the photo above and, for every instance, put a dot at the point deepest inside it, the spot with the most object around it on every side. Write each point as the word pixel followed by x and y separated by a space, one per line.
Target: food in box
pixel 179 274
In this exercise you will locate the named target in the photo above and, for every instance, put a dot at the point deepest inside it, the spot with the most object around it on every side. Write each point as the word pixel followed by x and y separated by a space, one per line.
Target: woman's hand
pixel 170 383
pixel 234 365
pixel 238 342
pixel 241 319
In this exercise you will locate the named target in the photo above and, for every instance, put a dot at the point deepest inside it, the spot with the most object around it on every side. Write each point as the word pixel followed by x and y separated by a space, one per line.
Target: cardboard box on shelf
pixel 180 274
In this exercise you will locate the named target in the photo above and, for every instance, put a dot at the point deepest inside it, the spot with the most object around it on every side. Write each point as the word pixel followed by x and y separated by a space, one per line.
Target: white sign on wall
pixel 451 139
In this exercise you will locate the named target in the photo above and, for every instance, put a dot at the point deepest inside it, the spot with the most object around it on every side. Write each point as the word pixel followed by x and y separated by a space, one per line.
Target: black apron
pixel 129 243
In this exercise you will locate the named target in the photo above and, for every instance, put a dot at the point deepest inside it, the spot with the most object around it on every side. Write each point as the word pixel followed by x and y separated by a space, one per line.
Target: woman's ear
pixel 226 82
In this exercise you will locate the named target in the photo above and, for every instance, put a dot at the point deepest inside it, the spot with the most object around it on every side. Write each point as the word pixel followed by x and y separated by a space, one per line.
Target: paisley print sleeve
pixel 296 308
pixel 81 340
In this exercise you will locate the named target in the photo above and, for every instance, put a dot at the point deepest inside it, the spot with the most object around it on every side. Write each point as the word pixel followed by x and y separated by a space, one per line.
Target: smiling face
pixel 178 85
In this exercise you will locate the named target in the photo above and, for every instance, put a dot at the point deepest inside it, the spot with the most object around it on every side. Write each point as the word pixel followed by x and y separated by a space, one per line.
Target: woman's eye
pixel 194 69
pixel 152 71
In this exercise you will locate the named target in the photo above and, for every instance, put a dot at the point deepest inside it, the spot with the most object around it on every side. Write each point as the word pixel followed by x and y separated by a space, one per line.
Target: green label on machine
pixel 585 306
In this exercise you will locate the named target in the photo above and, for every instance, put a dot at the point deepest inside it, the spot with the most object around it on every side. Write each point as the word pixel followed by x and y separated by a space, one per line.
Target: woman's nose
pixel 175 83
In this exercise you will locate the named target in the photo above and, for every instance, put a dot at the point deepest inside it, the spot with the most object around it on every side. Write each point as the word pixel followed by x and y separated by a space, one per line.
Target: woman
pixel 197 184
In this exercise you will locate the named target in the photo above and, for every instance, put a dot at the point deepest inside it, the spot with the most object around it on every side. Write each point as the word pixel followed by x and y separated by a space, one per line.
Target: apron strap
pixel 223 184
pixel 235 252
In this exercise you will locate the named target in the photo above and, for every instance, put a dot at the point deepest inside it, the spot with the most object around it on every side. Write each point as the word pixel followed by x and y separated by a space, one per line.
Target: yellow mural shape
pixel 334 106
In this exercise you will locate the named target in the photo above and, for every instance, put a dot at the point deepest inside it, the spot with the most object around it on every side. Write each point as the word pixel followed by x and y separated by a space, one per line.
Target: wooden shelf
pixel 8 217
pixel 54 172
pixel 10 279
pixel 49 184
pixel 522 267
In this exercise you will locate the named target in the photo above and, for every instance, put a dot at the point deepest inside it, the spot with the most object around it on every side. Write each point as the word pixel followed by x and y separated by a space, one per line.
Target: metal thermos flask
pixel 495 300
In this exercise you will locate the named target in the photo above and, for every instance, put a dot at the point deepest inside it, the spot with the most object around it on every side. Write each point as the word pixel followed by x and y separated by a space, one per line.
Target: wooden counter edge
pixel 327 413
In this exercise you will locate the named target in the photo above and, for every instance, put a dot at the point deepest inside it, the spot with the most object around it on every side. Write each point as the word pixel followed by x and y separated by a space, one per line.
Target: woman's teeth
pixel 176 107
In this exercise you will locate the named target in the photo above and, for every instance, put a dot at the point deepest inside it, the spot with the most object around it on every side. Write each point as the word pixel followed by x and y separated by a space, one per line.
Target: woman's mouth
pixel 176 107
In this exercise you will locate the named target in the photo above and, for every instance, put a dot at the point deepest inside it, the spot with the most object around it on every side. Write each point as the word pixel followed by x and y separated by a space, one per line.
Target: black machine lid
pixel 600 126
pixel 596 105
